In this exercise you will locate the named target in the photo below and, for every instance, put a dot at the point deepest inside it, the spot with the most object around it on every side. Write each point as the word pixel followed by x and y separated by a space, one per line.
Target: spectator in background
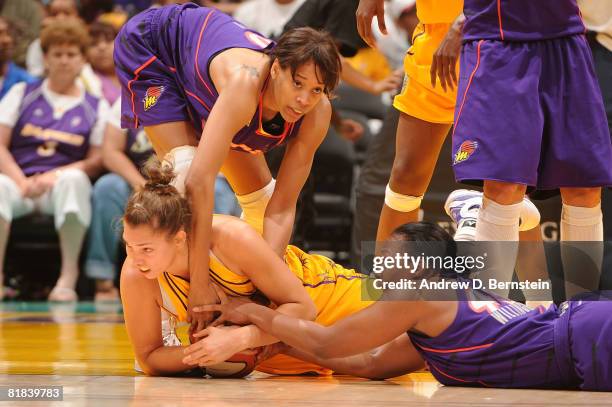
pixel 337 17
pixel 268 17
pixel 101 79
pixel 50 132
pixel 401 20
pixel 10 73
pixel 56 9
pixel 26 16
pixel 91 10
pixel 123 153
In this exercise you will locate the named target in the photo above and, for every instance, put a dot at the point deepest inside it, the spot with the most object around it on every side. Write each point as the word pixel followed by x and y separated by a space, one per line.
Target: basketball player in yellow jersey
pixel 155 283
pixel 426 108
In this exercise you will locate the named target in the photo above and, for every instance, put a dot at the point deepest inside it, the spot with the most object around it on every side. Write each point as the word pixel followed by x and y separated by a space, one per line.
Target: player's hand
pixel 216 345
pixel 199 294
pixel 366 11
pixel 229 309
pixel 390 84
pixel 444 63
pixel 350 129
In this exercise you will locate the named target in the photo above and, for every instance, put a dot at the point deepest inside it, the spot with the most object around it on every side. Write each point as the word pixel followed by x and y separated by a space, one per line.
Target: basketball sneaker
pixel 462 205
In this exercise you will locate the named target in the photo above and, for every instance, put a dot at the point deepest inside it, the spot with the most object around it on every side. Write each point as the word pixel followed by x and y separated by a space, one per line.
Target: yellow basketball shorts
pixel 418 98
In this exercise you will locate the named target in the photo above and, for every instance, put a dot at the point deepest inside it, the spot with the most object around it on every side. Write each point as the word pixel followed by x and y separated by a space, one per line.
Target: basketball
pixel 239 365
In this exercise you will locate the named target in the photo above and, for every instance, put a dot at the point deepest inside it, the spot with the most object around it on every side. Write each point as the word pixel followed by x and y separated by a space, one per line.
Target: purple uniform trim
pixel 521 20
pixel 531 113
pixel 162 57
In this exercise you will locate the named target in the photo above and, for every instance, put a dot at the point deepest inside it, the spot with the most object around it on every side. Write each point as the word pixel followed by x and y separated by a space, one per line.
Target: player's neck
pixel 180 265
pixel 268 106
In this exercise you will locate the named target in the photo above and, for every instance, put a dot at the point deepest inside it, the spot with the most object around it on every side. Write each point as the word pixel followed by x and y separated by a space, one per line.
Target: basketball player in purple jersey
pixel 477 339
pixel 530 114
pixel 192 76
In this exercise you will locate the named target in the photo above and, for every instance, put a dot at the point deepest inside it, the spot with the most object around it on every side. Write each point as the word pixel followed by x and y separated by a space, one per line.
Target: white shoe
pixel 462 205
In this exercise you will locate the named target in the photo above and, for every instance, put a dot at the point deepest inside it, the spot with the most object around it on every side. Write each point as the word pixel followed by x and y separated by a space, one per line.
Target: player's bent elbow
pixel 148 369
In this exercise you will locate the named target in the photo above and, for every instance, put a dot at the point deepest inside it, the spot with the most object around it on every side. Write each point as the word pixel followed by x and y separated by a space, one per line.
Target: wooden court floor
pixel 84 348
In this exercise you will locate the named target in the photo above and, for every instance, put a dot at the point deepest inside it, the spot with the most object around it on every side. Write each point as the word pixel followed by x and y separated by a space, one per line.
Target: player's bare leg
pixel 418 145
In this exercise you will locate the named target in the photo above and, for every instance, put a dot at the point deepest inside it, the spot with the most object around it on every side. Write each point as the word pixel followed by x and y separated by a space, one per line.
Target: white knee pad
pixel 401 203
pixel 180 159
pixel 254 205
pixel 71 194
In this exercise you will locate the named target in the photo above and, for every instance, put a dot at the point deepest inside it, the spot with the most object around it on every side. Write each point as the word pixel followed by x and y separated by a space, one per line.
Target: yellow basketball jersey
pixel 336 292
pixel 438 11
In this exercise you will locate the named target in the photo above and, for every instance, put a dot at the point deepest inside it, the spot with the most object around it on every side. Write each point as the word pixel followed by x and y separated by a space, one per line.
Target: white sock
pixel 581 254
pixel 499 223
pixel 254 205
pixel 581 224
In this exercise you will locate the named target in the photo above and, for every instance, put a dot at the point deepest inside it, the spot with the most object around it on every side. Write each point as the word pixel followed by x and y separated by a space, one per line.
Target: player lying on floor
pixel 155 282
pixel 477 339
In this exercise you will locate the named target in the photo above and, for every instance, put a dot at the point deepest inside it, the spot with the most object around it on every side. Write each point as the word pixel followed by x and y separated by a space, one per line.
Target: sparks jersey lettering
pixel 41 142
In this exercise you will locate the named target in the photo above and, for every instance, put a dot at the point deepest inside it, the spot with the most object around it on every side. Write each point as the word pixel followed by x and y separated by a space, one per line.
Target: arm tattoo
pixel 250 69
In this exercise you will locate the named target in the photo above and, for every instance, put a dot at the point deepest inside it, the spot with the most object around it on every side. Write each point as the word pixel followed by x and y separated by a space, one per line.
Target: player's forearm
pixel 165 360
pixel 253 336
pixel 299 333
pixel 201 199
pixel 361 365
pixel 278 226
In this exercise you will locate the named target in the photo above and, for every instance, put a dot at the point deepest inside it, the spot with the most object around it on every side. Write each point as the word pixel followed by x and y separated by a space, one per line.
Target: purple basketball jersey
pixel 521 20
pixel 163 57
pixel 138 148
pixel 40 143
pixel 494 342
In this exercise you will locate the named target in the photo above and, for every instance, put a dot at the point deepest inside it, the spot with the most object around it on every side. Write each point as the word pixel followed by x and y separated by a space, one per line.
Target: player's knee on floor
pixel 180 159
pixel 401 203
pixel 254 205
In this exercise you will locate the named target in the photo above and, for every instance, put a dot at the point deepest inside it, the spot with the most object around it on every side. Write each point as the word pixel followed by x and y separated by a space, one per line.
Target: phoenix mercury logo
pixel 466 149
pixel 152 96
